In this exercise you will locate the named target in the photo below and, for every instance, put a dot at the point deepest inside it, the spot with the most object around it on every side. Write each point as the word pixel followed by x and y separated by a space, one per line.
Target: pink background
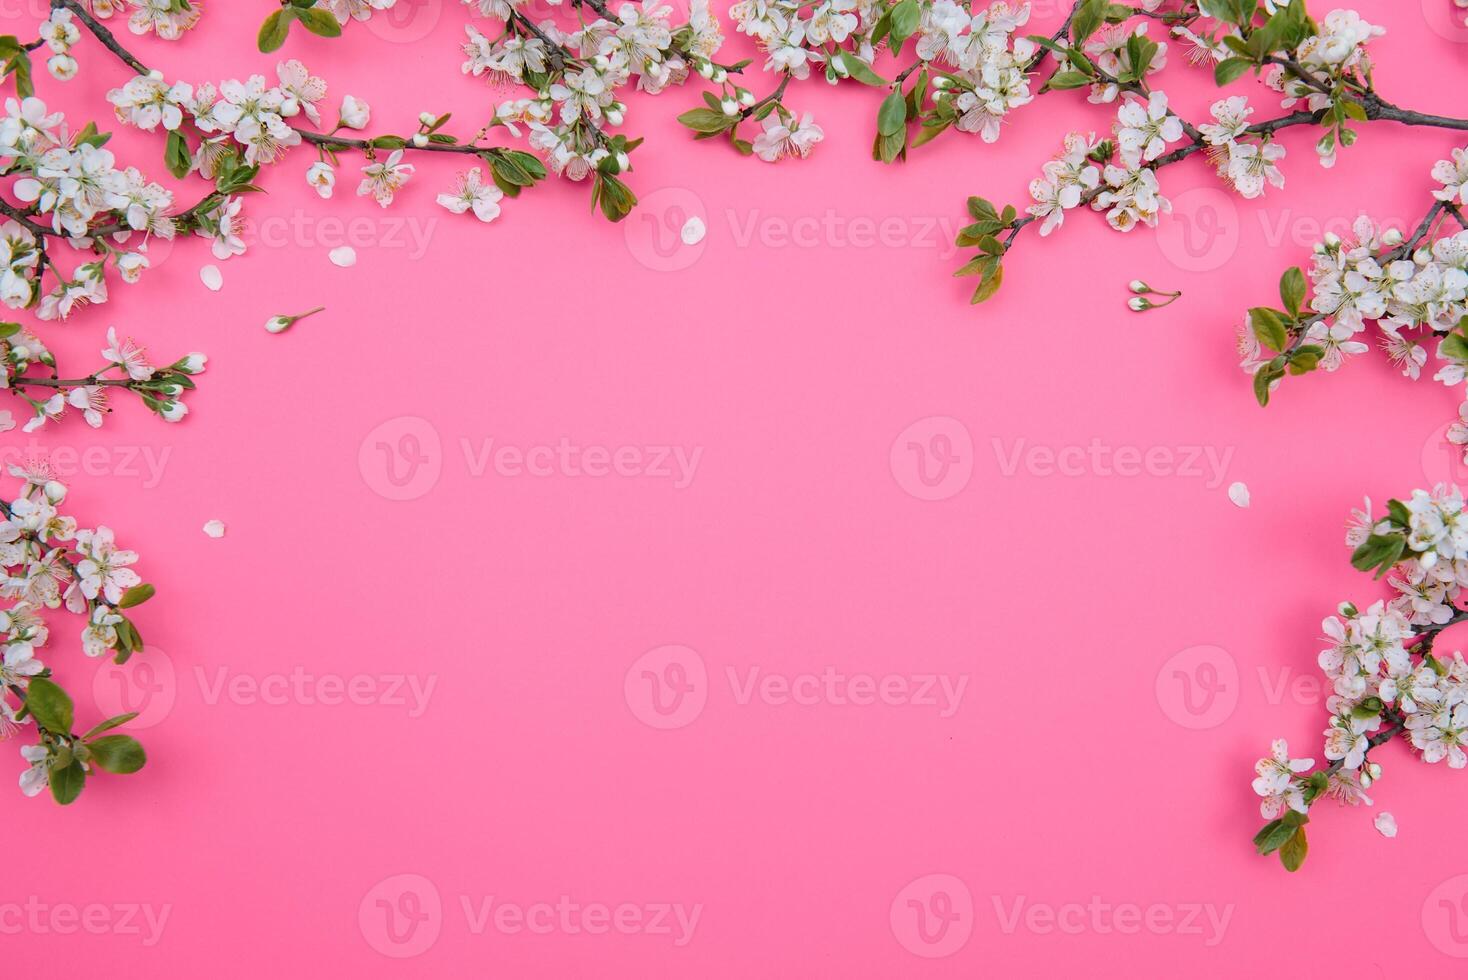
pixel 1077 770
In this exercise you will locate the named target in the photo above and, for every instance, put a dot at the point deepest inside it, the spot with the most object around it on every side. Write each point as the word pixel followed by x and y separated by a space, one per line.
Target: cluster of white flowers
pixel 991 65
pixel 48 562
pixel 1413 291
pixel 73 184
pixel 60 32
pixel 126 368
pixel 1385 678
pixel 576 75
pixel 168 18
pixel 1246 166
pixel 1126 188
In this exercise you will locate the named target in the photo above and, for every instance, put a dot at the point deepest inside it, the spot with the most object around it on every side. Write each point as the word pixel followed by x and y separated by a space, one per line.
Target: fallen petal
pixel 212 277
pixel 1386 824
pixel 215 529
pixel 1239 494
pixel 693 230
pixel 346 256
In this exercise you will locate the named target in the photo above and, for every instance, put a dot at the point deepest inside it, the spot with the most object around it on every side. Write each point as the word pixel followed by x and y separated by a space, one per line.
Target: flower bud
pixel 706 69
pixel 729 106
pixel 1139 287
pixel 718 76
pixel 614 117
pixel 1137 304
pixel 623 162
pixel 427 118
pixel 1332 240
pixel 746 98
pixel 156 75
pixel 420 140
pixel 277 324
pixel 941 82
pixel 55 492
pixel 1392 237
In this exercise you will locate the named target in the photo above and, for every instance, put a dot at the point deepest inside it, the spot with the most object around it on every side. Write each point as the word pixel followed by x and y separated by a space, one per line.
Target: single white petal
pixel 1239 494
pixel 211 277
pixel 346 256
pixel 693 230
pixel 1386 824
pixel 215 529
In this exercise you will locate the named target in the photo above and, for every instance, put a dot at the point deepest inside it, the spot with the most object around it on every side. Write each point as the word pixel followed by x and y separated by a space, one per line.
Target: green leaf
pixel 176 155
pixel 51 706
pixel 20 66
pixel 989 286
pixel 1292 290
pixel 1306 358
pixel 1292 853
pixel 1230 69
pixel 1088 17
pixel 110 724
pixel 119 754
pixel 707 120
pixel 322 23
pixel 1454 345
pixel 1269 328
pixel 1264 379
pixel 905 18
pixel 1379 551
pixel 136 596
pixel 615 197
pixel 892 115
pixel 273 32
pixel 67 782
pixel 860 70
pixel 1062 80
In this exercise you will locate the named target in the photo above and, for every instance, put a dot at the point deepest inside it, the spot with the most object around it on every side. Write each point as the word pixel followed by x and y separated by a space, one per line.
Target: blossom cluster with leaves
pixel 1386 680
pixel 1320 72
pixel 49 562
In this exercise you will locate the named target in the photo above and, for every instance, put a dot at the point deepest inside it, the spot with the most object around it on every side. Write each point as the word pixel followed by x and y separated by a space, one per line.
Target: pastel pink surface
pixel 1095 757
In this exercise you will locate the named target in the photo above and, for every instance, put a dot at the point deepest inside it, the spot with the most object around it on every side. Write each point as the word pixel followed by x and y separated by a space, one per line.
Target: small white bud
pixel 706 69
pixel 1332 239
pixel 615 117
pixel 1392 237
pixel 278 324
pixel 1137 304
pixel 718 76
pixel 156 75
pixel 55 492
pixel 623 162
pixel 730 106
pixel 427 118
pixel 746 97
pixel 420 140
pixel 1139 287
pixel 941 82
